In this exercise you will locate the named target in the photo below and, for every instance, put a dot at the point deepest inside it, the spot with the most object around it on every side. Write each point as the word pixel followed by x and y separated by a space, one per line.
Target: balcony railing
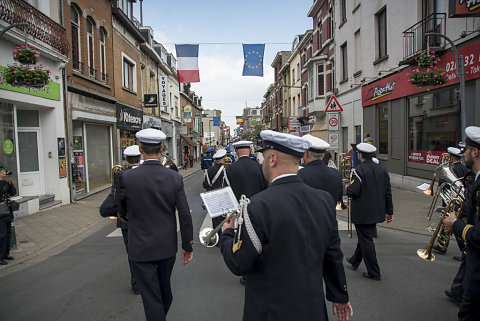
pixel 39 25
pixel 414 40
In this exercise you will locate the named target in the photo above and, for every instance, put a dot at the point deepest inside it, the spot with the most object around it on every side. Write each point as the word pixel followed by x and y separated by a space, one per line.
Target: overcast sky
pixel 228 24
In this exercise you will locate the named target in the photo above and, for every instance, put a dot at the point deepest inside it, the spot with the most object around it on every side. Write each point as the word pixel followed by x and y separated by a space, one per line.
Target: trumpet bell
pixel 204 237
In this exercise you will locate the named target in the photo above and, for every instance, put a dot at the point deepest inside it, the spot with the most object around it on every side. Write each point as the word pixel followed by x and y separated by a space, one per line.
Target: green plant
pixel 427 73
pixel 22 75
pixel 26 55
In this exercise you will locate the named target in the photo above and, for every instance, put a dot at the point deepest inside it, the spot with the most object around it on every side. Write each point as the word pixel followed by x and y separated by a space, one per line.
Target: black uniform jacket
pixel 211 172
pixel 470 232
pixel 246 177
pixel 318 175
pixel 301 248
pixel 459 169
pixel 7 190
pixel 151 193
pixel 109 206
pixel 371 194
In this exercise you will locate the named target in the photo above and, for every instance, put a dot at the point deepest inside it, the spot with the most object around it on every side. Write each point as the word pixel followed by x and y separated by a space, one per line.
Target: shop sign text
pixel 425 157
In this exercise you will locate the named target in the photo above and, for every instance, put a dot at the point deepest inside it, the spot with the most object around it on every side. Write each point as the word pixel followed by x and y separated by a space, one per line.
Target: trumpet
pixel 208 236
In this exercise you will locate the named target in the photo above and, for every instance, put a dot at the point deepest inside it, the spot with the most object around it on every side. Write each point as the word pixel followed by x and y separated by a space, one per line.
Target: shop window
pixel 433 126
pixel 28 151
pixel 8 158
pixel 383 111
pixel 27 118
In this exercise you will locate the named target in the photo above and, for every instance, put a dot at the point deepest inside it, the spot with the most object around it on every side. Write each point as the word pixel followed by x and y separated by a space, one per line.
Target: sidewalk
pixel 52 231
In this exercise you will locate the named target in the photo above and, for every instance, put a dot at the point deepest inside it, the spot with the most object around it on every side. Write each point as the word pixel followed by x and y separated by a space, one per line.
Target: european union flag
pixel 253 60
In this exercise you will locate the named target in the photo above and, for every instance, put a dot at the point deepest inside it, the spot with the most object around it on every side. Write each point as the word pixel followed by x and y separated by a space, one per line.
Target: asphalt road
pixel 90 281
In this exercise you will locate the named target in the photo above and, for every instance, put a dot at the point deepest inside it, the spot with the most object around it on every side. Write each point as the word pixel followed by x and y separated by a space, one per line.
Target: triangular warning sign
pixel 333 106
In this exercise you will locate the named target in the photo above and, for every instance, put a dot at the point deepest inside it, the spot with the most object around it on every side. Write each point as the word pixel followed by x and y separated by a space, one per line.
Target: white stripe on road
pixel 117 232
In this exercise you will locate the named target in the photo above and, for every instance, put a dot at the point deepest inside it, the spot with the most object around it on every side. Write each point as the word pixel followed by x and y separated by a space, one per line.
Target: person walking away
pixel 149 194
pixel 291 246
pixel 7 189
pixel 371 203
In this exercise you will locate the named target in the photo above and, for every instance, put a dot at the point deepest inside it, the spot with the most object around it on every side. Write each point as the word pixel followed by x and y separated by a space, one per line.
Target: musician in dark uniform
pixel 469 231
pixel 109 207
pixel 298 246
pixel 371 196
pixel 460 170
pixel 215 178
pixel 150 194
pixel 318 175
pixel 245 175
pixel 207 160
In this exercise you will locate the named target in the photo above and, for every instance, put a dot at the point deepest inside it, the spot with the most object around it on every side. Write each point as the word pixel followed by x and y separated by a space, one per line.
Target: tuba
pixel 168 162
pixel 345 166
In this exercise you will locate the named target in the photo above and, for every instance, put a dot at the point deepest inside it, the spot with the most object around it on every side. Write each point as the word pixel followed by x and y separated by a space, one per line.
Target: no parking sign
pixel 333 121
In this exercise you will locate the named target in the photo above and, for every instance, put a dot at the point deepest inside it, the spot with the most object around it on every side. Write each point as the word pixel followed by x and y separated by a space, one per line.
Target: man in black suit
pixel 289 244
pixel 7 189
pixel 371 196
pixel 245 175
pixel 150 194
pixel 109 207
pixel 469 231
pixel 318 175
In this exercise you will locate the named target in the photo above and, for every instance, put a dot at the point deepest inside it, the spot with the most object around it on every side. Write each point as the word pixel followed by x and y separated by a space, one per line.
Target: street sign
pixel 294 124
pixel 333 139
pixel 333 121
pixel 333 106
pixel 305 129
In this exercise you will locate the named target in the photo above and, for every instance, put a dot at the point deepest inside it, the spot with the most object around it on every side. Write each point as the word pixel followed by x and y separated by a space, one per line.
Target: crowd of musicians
pixel 284 241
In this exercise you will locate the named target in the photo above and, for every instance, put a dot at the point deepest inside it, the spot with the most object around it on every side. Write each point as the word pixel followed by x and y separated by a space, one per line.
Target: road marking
pixel 117 232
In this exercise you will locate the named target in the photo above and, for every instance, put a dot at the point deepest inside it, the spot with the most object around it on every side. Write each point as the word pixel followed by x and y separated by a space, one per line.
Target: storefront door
pixel 29 176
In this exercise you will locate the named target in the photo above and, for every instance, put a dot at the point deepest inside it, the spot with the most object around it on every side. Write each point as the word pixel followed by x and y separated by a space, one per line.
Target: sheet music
pixel 220 201
pixel 423 187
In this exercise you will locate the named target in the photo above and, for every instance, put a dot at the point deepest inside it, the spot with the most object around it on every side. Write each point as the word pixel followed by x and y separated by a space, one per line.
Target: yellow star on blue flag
pixel 253 59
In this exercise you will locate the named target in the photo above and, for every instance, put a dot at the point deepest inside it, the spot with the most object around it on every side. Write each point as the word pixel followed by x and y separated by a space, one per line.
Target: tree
pixel 253 133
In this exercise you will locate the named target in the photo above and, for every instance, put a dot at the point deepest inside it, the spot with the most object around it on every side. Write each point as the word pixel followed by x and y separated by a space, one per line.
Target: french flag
pixel 187 63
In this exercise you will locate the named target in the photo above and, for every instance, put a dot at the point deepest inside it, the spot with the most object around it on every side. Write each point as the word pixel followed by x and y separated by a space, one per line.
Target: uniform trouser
pixel 133 281
pixel 153 280
pixel 9 237
pixel 457 285
pixel 469 309
pixel 470 306
pixel 3 239
pixel 366 249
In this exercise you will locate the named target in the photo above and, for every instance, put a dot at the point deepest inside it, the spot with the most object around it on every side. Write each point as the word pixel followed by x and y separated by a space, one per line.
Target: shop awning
pixel 188 140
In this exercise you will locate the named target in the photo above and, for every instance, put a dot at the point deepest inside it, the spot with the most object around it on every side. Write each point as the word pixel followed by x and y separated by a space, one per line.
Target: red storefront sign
pixel 425 157
pixel 397 85
pixel 464 8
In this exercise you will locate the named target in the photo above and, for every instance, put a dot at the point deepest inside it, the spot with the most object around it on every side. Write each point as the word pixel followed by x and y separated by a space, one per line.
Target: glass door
pixel 29 169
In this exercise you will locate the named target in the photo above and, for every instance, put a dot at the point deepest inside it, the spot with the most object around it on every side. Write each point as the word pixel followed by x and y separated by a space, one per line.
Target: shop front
pixel 167 128
pixel 413 126
pixel 129 121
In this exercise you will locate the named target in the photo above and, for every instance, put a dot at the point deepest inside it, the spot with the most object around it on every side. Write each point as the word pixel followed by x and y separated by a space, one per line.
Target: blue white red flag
pixel 187 63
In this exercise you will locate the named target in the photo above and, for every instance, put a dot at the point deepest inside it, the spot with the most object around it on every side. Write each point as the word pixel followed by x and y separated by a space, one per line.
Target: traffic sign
pixel 333 121
pixel 333 106
pixel 333 138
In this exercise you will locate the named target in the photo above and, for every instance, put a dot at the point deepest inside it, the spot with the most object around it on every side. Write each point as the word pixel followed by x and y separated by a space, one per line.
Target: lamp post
pixel 460 71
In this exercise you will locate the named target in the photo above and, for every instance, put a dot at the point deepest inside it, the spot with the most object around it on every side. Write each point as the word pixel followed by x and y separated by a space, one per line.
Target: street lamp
pixel 460 71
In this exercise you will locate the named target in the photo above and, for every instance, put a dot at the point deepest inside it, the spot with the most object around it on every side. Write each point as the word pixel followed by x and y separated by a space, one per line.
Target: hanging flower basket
pixel 24 76
pixel 427 73
pixel 26 55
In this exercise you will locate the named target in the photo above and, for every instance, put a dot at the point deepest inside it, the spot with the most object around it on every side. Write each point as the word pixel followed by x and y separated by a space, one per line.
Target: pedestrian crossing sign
pixel 333 106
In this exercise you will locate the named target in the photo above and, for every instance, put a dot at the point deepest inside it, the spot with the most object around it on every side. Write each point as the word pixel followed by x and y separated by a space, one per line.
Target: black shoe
pixel 136 292
pixel 242 280
pixel 354 266
pixel 3 262
pixel 368 276
pixel 457 258
pixel 9 258
pixel 454 298
pixel 438 250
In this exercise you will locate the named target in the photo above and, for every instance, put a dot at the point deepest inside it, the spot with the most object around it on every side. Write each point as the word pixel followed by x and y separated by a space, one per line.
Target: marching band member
pixel 289 245
pixel 109 206
pixel 150 194
pixel 371 196
pixel 469 231
pixel 318 175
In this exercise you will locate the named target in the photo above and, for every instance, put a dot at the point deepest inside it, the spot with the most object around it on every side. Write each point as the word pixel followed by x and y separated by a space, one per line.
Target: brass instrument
pixel 331 164
pixel 452 187
pixel 455 205
pixel 168 162
pixel 345 166
pixel 116 170
pixel 208 236
pixel 228 161
pixel 349 219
